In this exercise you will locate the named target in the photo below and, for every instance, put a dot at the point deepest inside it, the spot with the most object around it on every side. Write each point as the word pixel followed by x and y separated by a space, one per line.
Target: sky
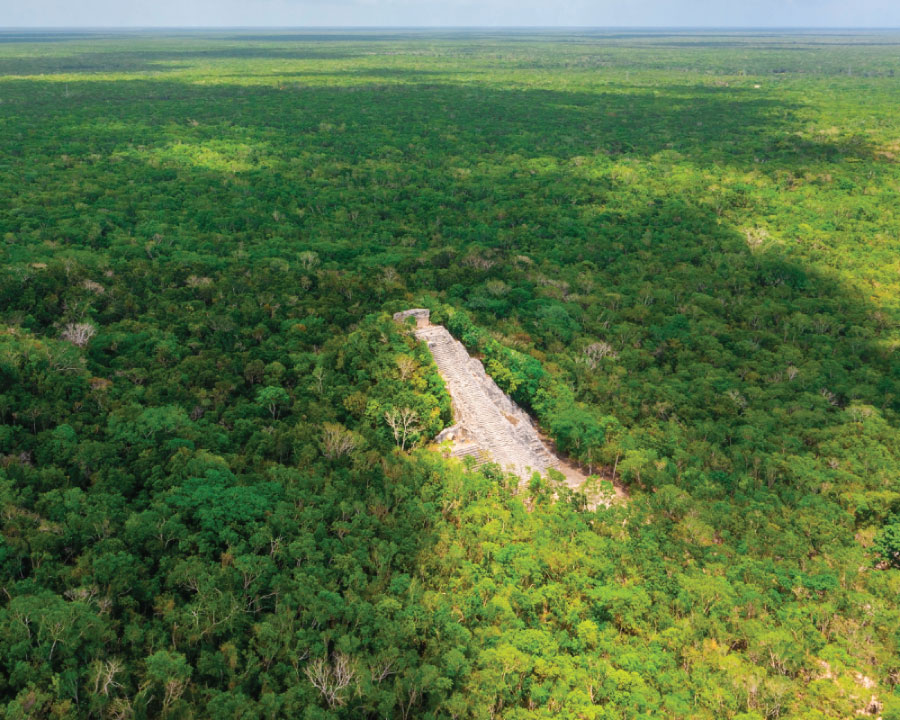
pixel 453 13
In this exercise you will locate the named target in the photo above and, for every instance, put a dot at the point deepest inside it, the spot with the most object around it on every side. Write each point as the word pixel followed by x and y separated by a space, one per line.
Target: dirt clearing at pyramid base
pixel 489 426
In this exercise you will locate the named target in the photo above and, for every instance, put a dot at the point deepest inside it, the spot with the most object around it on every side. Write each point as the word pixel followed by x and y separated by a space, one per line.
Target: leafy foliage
pixel 678 251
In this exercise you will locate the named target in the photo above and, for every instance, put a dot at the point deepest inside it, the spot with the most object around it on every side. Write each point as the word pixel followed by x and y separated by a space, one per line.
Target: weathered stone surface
pixel 489 425
pixel 422 316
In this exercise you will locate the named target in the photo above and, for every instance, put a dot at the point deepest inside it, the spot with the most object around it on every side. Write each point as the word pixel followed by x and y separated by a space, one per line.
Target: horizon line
pixel 276 28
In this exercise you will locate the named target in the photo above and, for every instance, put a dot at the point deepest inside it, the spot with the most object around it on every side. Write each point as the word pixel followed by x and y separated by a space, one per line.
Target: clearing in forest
pixel 489 426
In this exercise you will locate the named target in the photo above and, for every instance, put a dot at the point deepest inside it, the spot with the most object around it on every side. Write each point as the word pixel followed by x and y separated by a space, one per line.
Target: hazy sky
pixel 296 13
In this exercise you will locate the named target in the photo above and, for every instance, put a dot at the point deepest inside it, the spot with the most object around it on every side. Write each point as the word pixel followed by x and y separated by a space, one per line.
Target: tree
pixel 886 545
pixel 273 399
pixel 637 462
pixel 103 673
pixel 337 440
pixel 595 352
pixel 79 334
pixel 404 423
pixel 331 678
pixel 578 431
pixel 406 366
pixel 168 672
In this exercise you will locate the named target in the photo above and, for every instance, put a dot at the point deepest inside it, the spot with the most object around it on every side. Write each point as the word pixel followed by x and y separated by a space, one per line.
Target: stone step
pixel 494 426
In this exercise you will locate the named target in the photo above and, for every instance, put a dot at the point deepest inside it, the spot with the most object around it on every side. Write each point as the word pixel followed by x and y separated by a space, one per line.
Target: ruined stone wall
pixel 422 316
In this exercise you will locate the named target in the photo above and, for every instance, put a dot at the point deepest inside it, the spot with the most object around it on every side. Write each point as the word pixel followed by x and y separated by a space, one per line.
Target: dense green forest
pixel 679 251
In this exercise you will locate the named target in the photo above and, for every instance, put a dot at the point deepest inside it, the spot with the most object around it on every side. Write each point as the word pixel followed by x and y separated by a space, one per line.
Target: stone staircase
pixel 494 426
pixel 479 456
